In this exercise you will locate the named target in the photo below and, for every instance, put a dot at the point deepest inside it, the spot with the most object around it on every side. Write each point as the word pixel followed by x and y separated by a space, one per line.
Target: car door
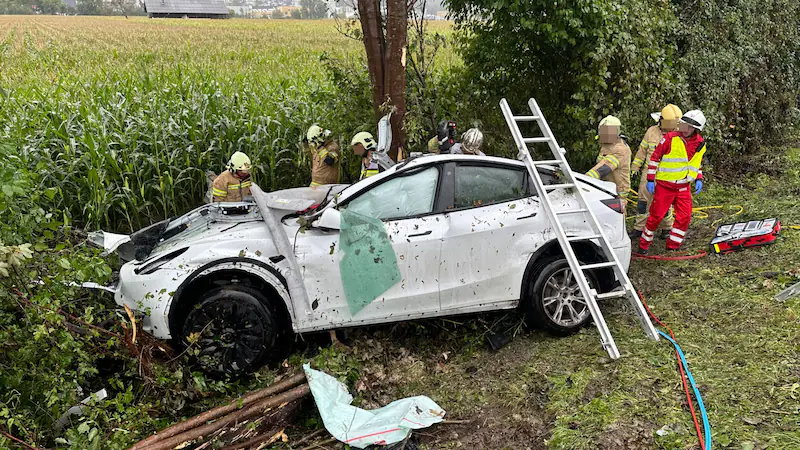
pixel 407 205
pixel 492 227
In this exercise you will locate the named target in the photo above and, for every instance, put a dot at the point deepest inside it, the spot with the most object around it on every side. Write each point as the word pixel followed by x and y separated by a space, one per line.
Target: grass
pixel 565 393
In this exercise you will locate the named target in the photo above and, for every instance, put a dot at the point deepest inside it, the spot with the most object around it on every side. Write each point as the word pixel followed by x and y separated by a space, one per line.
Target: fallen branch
pixel 265 439
pixel 310 436
pixel 256 408
pixel 220 411
pixel 19 441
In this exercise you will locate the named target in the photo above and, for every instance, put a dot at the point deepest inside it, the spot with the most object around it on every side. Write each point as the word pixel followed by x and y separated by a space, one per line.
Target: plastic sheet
pixel 361 428
pixel 369 265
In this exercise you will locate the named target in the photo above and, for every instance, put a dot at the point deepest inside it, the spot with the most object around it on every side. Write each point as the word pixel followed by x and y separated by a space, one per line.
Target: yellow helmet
pixel 239 161
pixel 364 139
pixel 671 112
pixel 315 135
pixel 610 121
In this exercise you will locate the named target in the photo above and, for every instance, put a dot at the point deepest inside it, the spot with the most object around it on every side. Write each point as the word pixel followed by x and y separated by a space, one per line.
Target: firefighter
pixel 667 121
pixel 363 145
pixel 444 139
pixel 471 142
pixel 324 157
pixel 613 162
pixel 675 164
pixel 233 184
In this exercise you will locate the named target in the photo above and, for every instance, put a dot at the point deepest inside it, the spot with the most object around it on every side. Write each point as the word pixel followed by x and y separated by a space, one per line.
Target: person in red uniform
pixel 675 164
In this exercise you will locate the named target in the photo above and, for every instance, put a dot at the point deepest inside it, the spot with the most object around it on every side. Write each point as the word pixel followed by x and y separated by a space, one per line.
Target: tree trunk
pixel 369 14
pixel 395 69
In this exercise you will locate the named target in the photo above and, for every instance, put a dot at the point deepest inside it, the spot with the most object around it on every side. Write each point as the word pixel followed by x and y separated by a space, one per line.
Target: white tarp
pixel 361 428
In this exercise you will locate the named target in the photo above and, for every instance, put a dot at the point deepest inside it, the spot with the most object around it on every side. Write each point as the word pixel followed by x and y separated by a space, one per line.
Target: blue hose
pixel 706 426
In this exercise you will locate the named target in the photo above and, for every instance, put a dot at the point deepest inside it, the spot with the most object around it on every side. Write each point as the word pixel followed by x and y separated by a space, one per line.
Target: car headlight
pixel 149 267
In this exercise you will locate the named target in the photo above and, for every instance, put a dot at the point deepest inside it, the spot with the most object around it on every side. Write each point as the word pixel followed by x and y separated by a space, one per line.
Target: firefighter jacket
pixel 613 164
pixel 651 138
pixel 368 168
pixel 228 188
pixel 324 164
pixel 677 160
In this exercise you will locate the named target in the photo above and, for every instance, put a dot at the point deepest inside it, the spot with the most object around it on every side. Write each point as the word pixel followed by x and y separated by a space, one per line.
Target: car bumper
pixel 150 294
pixel 623 251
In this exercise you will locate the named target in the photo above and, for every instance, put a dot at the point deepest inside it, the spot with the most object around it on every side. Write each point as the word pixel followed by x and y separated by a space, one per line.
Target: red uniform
pixel 673 166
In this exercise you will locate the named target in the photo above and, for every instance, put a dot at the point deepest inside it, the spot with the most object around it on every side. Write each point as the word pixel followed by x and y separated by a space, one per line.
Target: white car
pixel 467 233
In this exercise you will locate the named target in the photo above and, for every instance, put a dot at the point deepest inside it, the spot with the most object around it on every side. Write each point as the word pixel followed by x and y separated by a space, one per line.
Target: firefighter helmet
pixel 695 118
pixel 471 141
pixel 239 162
pixel 364 138
pixel 610 121
pixel 315 135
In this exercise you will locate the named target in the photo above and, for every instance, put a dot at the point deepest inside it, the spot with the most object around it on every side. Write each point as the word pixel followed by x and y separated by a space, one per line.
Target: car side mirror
pixel 331 219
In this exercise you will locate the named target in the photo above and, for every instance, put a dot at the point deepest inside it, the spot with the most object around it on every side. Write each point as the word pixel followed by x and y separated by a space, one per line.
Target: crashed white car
pixel 465 234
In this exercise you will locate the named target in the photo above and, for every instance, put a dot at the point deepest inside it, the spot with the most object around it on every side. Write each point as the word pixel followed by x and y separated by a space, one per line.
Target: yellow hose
pixel 700 212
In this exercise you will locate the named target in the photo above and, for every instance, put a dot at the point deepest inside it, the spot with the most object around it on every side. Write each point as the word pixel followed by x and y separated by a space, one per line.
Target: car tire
pixel 552 288
pixel 231 329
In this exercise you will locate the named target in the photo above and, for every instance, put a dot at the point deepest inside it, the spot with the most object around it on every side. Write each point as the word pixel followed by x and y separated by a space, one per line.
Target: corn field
pixel 121 117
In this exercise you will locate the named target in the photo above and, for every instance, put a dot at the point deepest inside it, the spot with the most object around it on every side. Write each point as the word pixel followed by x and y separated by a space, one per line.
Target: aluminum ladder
pixel 569 183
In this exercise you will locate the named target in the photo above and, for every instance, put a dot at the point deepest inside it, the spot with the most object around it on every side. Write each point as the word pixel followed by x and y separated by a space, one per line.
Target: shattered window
pixel 400 197
pixel 484 185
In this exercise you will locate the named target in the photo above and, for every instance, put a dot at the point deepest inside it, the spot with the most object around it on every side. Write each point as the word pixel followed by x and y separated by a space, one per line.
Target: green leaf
pixel 64 263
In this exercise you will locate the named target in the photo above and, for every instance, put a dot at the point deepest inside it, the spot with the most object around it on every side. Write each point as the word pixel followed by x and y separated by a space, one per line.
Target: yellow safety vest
pixel 676 167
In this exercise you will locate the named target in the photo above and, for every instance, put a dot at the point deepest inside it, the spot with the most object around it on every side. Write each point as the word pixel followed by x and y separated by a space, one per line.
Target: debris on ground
pixel 255 420
pixel 77 410
pixel 361 428
pixel 790 292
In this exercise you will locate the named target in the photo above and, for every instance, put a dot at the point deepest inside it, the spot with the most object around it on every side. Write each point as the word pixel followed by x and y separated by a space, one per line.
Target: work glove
pixel 651 187
pixel 698 186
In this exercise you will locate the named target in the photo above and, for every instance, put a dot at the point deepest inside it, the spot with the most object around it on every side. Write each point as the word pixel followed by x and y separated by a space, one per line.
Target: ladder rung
pixel 559 186
pixel 573 211
pixel 526 118
pixel 547 162
pixel 535 140
pixel 612 294
pixel 598 265
pixel 583 238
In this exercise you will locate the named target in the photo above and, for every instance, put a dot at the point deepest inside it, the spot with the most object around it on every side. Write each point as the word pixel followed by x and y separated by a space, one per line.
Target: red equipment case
pixel 736 236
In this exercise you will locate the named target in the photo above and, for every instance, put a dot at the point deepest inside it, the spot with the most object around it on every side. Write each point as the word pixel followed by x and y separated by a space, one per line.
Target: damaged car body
pixel 466 234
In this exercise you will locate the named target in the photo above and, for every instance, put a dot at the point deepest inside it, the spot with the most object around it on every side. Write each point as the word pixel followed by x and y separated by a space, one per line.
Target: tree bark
pixel 369 14
pixel 395 69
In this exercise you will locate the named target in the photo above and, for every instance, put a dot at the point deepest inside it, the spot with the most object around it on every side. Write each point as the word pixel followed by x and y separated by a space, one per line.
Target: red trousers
pixel 679 196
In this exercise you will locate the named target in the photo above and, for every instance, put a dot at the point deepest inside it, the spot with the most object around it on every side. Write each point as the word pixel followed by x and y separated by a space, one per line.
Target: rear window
pixel 485 185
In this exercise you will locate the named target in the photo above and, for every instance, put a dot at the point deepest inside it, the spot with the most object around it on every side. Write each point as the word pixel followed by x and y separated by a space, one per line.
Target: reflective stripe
pixel 647 232
pixel 678 232
pixel 323 154
pixel 647 238
pixel 683 160
pixel 593 173
pixel 653 164
pixel 612 159
pixel 651 171
pixel 675 238
pixel 638 162
pixel 672 169
pixel 219 192
pixel 247 184
pixel 644 144
pixel 315 184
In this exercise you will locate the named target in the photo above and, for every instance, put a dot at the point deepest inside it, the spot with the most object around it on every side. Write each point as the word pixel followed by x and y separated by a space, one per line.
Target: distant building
pixel 442 15
pixel 286 10
pixel 241 11
pixel 190 9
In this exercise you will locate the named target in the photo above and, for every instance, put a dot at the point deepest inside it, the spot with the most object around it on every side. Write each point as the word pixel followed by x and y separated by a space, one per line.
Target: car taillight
pixel 614 203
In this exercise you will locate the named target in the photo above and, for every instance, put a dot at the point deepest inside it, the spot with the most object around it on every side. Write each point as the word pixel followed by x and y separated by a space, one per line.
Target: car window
pixel 484 185
pixel 400 197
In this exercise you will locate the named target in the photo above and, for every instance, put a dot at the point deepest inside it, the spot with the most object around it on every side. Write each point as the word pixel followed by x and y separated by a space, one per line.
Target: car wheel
pixel 554 301
pixel 231 329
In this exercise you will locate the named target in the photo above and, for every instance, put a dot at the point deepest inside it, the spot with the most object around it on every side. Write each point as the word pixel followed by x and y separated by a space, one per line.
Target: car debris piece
pixel 790 292
pixel 361 428
pixel 77 410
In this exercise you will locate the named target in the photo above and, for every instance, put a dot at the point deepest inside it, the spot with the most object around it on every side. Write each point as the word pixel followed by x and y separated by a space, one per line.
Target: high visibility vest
pixel 369 170
pixel 676 167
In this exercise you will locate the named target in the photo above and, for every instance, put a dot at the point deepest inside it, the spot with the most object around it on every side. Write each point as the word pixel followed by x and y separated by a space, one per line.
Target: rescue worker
pixel 471 142
pixel 363 145
pixel 233 184
pixel 675 164
pixel 324 157
pixel 667 121
pixel 445 138
pixel 613 162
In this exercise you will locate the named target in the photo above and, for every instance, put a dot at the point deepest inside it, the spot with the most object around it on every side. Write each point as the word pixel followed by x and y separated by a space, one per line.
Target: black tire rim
pixel 228 335
pixel 562 300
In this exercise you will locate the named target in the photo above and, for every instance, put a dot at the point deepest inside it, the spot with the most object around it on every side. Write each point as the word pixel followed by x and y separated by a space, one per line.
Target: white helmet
pixel 471 141
pixel 695 118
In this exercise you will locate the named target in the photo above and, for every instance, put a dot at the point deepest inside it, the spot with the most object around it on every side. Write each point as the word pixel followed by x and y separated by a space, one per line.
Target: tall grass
pixel 123 117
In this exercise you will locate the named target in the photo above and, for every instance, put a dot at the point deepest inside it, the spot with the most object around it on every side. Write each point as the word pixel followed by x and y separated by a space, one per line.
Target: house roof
pixel 185 6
